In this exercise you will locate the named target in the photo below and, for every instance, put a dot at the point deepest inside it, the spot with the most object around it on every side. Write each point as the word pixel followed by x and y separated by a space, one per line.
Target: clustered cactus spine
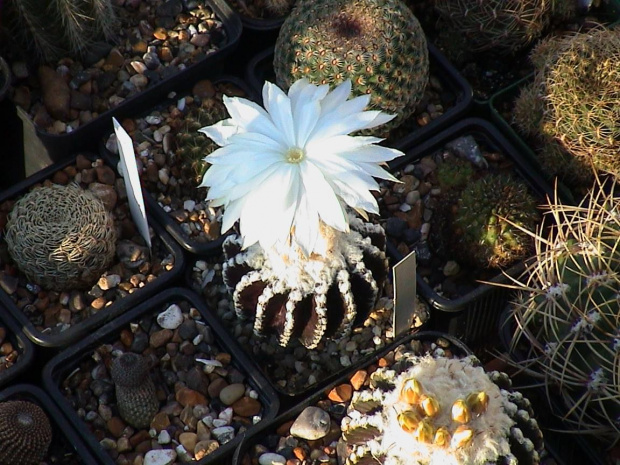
pixel 437 410
pixel 567 310
pixel 486 221
pixel 500 25
pixel 135 391
pixel 378 44
pixel 193 146
pixel 572 105
pixel 25 433
pixel 58 27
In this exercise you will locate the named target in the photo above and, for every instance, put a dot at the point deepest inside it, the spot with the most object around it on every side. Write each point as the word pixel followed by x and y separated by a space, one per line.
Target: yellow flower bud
pixel 478 402
pixel 460 411
pixel 411 391
pixel 429 405
pixel 424 432
pixel 409 420
pixel 462 437
pixel 442 437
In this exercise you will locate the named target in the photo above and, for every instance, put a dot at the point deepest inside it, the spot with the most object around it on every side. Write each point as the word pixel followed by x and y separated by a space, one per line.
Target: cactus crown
pixel 25 433
pixel 567 309
pixel 431 410
pixel 378 44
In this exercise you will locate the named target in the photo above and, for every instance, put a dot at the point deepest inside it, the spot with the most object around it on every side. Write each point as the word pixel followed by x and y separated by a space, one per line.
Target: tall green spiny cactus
pixel 55 28
pixel 574 104
pixel 378 44
pixel 567 310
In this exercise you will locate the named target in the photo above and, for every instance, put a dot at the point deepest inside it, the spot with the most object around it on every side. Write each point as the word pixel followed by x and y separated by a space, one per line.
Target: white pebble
pixel 345 361
pixel 181 104
pixel 153 119
pixel 160 457
pixel 405 207
pixel 164 437
pixel 217 422
pixel 189 205
pixel 271 458
pixel 164 177
pixel 226 415
pixel 171 318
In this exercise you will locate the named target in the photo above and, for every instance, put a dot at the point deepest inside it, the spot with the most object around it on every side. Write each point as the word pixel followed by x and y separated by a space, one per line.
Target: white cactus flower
pixel 290 169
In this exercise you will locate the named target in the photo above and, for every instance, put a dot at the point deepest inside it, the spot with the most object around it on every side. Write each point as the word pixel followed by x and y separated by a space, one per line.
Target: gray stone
pixel 270 458
pixel 467 148
pixel 313 423
pixel 232 393
pixel 171 318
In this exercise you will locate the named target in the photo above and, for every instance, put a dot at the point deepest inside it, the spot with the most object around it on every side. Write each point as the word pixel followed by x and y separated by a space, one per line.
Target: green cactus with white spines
pixel 193 146
pixel 56 28
pixel 567 313
pixel 378 44
pixel 578 106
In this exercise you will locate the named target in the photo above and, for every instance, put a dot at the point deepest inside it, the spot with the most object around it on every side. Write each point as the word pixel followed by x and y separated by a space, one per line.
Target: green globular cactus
pixel 503 26
pixel 454 173
pixel 55 28
pixel 566 311
pixel 193 146
pixel 431 410
pixel 378 44
pixel 25 433
pixel 135 391
pixel 578 107
pixel 489 226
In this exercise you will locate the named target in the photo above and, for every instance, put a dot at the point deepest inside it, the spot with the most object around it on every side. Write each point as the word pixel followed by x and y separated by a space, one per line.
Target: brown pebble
pixel 246 407
pixel 203 89
pixel 160 421
pixel 115 426
pixel 300 453
pixel 341 393
pixel 60 177
pixel 188 440
pixel 139 437
pixel 105 175
pixel 160 338
pixel 382 362
pixel 285 428
pixel 204 448
pixel 98 303
pixel 188 397
pixel 6 348
pixel 216 386
pixel 126 337
pixel 358 379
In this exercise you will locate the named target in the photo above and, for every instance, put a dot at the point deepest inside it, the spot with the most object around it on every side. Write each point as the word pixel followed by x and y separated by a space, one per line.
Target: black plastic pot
pixel 566 447
pixel 63 364
pixel 293 410
pixel 62 146
pixel 471 317
pixel 66 448
pixel 120 306
pixel 168 222
pixel 457 93
pixel 25 348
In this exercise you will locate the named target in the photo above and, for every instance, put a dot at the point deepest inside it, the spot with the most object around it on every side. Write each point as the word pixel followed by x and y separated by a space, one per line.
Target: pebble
pixel 223 434
pixel 231 393
pixel 313 423
pixel 110 281
pixel 171 318
pixel 270 458
pixel 160 457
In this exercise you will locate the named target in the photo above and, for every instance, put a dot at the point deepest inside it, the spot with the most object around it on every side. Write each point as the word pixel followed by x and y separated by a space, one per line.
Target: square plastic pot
pixel 456 95
pixel 62 146
pixel 58 371
pixel 171 225
pixel 120 305
pixel 66 448
pixel 472 316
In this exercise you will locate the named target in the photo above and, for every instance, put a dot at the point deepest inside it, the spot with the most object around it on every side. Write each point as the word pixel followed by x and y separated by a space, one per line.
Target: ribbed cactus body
pixel 25 433
pixel 378 44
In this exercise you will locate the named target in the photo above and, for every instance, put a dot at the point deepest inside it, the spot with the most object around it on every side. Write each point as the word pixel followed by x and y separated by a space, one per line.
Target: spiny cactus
pixel 566 310
pixel 193 146
pixel 495 25
pixel 485 226
pixel 378 44
pixel 135 391
pixel 428 410
pixel 454 173
pixel 575 101
pixel 58 27
pixel 25 433
pixel 61 237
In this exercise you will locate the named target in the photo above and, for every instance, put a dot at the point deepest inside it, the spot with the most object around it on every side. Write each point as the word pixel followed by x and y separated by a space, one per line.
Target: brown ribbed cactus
pixel 378 44
pixel 135 391
pixel 61 237
pixel 25 433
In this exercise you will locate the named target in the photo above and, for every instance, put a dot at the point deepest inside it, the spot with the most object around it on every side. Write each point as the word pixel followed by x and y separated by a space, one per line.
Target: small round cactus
pixel 61 237
pixel 378 44
pixel 454 173
pixel 439 410
pixel 135 391
pixel 25 433
pixel 192 146
pixel 488 225
pixel 573 103
pixel 504 26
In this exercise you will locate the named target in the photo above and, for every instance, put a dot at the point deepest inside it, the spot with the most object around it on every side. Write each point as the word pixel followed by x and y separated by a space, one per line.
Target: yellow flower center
pixel 295 155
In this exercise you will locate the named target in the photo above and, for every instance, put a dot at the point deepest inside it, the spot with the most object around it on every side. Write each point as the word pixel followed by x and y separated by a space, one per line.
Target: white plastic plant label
pixel 404 281
pixel 132 181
